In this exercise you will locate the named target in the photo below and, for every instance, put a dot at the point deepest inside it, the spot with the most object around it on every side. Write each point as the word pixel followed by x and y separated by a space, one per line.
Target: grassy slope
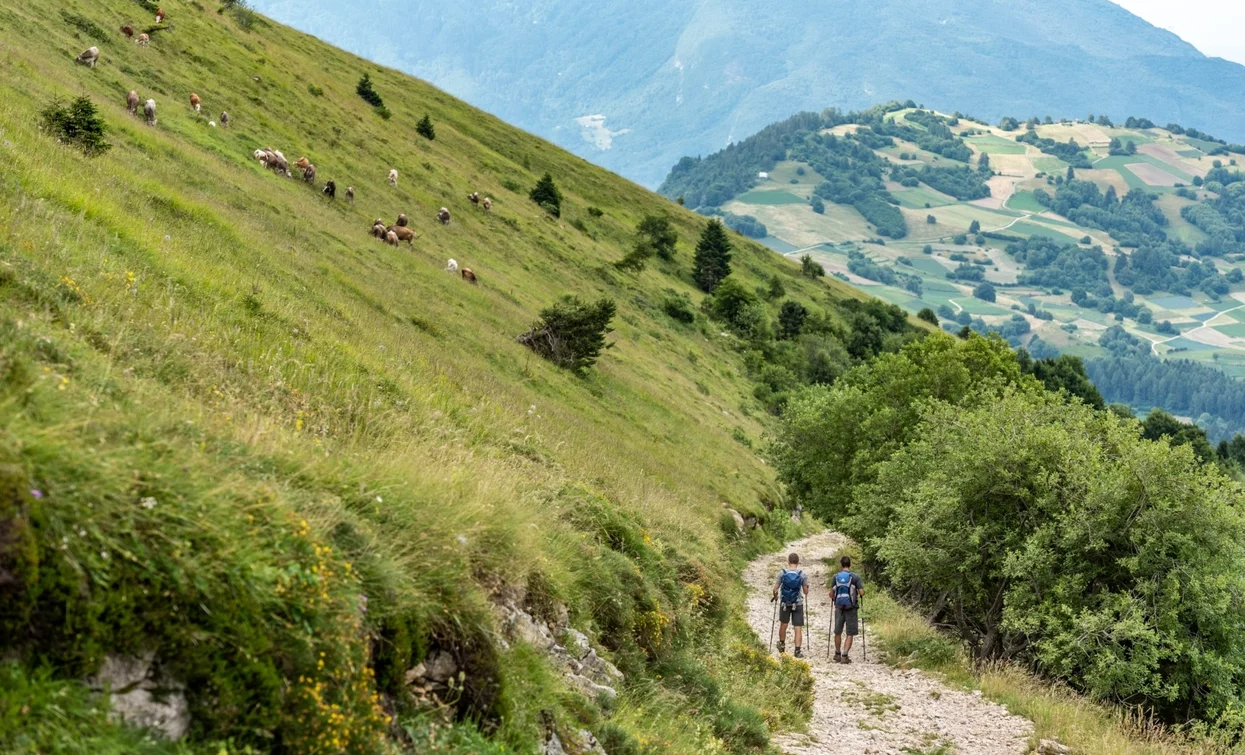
pixel 320 418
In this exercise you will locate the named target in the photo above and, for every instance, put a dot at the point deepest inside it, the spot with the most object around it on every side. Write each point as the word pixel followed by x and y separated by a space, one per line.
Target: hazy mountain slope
pixel 688 76
pixel 288 464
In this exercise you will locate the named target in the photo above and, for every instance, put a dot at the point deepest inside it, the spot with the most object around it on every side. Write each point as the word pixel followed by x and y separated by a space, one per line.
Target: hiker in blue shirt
pixel 845 591
pixel 793 586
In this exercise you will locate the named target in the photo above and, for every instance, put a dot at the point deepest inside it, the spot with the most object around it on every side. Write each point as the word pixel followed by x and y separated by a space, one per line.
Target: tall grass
pixel 906 640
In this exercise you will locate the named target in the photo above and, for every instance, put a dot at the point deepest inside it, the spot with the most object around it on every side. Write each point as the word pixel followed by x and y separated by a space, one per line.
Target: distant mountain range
pixel 636 85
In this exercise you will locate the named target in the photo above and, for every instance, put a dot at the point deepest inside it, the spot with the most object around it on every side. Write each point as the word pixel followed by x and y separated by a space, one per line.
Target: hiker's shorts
pixel 849 620
pixel 793 615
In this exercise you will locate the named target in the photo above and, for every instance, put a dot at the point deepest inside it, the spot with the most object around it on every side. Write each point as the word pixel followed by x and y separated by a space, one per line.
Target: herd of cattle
pixel 272 159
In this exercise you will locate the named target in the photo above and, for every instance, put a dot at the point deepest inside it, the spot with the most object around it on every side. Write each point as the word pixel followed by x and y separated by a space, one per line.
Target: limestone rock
pixel 1051 747
pixel 523 628
pixel 553 746
pixel 589 744
pixel 141 699
pixel 600 670
pixel 576 643
pixel 739 520
pixel 590 689
pixel 441 667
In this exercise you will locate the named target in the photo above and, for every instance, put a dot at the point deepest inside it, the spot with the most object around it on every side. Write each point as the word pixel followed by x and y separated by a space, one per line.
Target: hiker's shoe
pixel 799 653
pixel 838 657
pixel 845 660
pixel 782 647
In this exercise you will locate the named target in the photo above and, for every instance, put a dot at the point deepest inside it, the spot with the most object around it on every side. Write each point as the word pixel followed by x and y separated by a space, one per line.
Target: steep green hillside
pixel 1107 241
pixel 286 464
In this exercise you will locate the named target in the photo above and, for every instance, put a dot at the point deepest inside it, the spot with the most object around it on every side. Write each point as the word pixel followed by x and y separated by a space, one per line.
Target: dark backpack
pixel 844 591
pixel 791 582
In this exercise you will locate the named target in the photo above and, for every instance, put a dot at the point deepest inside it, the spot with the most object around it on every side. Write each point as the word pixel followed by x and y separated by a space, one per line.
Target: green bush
pixel 809 268
pixel 679 306
pixel 84 25
pixel 78 124
pixel 616 740
pixel 571 333
pixel 741 728
pixel 314 90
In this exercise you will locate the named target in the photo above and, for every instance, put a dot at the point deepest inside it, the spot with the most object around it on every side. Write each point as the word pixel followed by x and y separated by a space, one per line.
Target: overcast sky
pixel 1212 26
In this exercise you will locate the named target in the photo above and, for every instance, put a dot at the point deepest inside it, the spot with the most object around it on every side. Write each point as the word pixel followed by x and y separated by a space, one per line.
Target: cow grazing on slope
pixel 469 276
pixel 160 15
pixel 128 31
pixel 402 221
pixel 132 102
pixel 143 40
pixel 475 198
pixel 393 178
pixel 330 190
pixel 149 112
pixel 451 266
pixel 224 119
pixel 444 216
pixel 195 102
pixel 488 204
pixel 391 238
pixel 403 234
pixel 89 57
pixel 350 194
pixel 309 174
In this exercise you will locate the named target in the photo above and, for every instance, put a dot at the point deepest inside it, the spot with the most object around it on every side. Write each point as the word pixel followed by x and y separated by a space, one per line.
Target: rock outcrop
pixel 140 697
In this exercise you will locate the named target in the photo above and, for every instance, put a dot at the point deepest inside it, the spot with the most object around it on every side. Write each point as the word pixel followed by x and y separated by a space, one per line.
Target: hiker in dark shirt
pixel 845 591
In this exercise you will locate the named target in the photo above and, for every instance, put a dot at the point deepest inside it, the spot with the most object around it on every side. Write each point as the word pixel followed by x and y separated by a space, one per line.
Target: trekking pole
pixel 864 647
pixel 771 626
pixel 830 632
pixel 808 626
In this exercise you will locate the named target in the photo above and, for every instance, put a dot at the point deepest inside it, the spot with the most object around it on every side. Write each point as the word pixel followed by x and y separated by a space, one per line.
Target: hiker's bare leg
pixel 847 645
pixel 799 636
pixel 838 643
pixel 782 633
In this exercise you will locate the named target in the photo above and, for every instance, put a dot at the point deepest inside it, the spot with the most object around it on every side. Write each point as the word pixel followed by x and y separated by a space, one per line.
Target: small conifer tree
pixel 546 195
pixel 712 262
pixel 425 128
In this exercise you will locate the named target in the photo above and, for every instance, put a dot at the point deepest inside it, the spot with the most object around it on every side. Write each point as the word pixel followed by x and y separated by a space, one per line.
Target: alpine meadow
pixel 340 416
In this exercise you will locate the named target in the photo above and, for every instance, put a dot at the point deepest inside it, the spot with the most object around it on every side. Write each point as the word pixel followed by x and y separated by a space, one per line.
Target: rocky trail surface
pixel 868 707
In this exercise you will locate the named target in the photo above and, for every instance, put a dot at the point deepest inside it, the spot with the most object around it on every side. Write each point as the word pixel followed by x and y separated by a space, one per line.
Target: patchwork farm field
pixel 943 231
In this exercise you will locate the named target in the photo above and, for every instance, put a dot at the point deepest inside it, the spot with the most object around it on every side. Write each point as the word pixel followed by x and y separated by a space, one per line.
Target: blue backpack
pixel 844 591
pixel 791 583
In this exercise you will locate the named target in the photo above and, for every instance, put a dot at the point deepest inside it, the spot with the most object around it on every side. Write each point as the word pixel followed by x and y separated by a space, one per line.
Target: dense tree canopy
pixel 1028 521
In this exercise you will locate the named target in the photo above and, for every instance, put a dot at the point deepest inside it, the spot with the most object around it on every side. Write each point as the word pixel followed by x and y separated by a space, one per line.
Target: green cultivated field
pixel 921 197
pixel 995 145
pixel 1025 202
pixel 771 197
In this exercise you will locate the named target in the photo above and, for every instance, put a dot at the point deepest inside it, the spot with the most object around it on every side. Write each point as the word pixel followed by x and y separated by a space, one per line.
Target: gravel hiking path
pixel 870 707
